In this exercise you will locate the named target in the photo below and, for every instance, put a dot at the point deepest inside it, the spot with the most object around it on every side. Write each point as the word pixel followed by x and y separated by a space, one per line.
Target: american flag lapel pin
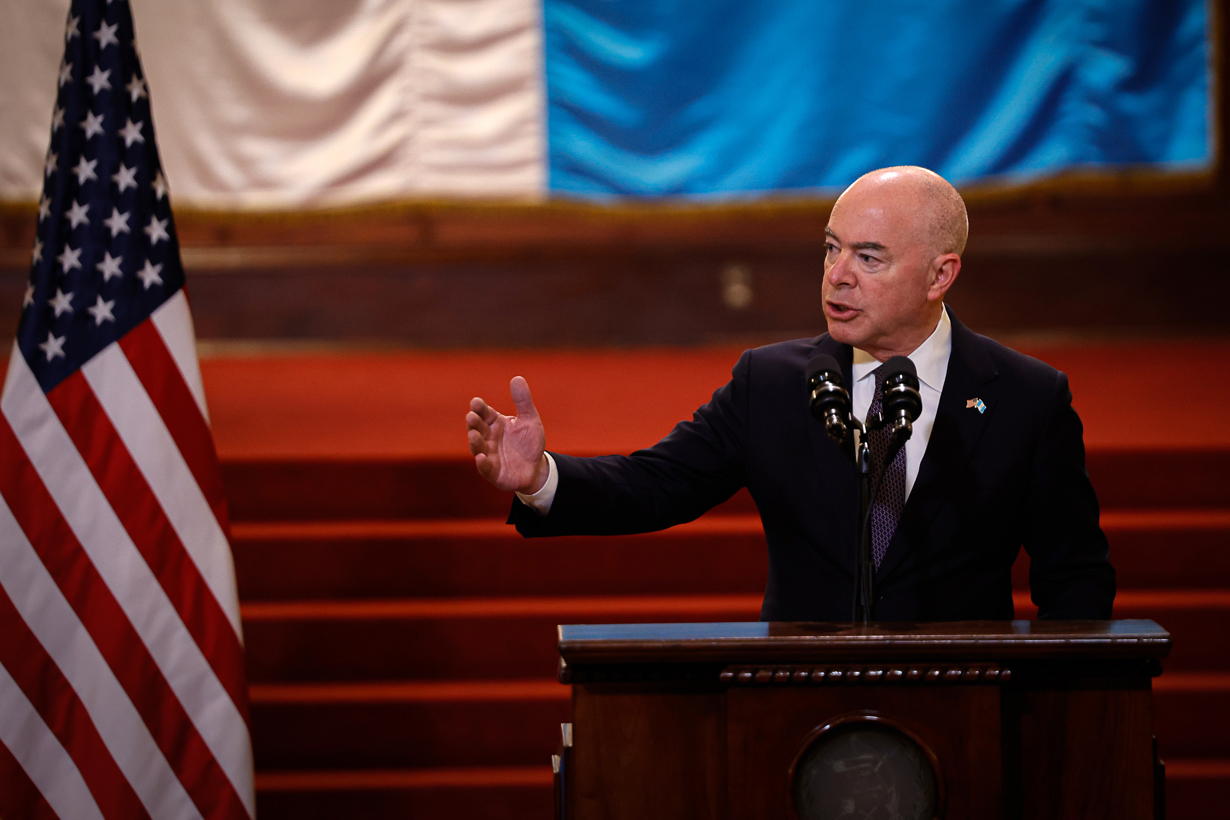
pixel 977 404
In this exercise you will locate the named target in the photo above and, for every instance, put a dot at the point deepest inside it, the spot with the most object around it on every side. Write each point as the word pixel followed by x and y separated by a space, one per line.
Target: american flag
pixel 122 688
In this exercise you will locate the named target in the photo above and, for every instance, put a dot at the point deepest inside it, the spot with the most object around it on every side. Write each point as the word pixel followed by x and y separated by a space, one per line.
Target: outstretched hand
pixel 509 450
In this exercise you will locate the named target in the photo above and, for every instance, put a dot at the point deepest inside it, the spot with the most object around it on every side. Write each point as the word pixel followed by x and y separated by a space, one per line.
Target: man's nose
pixel 839 272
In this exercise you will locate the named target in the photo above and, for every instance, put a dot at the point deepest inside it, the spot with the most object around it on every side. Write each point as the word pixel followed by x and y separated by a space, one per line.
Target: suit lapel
pixel 954 437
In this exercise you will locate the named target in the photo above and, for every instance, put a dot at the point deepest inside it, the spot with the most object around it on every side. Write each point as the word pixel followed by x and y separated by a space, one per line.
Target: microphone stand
pixel 865 565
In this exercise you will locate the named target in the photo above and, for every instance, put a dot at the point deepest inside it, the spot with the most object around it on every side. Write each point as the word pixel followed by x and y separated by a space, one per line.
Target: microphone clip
pixel 902 424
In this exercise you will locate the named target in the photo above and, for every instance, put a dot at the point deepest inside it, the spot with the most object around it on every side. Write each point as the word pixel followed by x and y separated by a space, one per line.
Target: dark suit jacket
pixel 989 483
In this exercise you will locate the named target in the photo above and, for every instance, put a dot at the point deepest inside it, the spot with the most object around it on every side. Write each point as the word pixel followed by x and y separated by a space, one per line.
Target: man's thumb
pixel 520 390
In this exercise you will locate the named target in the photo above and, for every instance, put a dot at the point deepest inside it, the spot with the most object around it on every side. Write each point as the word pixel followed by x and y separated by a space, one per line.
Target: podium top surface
pixel 581 644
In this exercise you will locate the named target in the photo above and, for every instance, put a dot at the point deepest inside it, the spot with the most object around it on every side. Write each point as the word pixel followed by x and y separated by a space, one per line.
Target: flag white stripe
pixel 149 442
pixel 45 761
pixel 9 385
pixel 89 515
pixel 51 618
pixel 173 320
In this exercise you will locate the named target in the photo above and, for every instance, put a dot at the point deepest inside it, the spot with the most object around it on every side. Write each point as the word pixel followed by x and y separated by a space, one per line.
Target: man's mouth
pixel 839 310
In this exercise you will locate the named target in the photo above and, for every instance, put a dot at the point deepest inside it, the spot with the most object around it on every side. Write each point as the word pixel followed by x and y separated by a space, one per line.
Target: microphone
pixel 902 402
pixel 830 401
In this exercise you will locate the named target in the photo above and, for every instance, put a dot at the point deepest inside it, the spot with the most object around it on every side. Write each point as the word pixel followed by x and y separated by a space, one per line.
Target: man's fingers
pixel 476 441
pixel 520 390
pixel 474 422
pixel 485 411
pixel 486 468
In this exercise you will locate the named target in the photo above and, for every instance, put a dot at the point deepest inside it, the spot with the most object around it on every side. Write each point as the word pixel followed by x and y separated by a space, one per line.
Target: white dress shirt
pixel 540 502
pixel 931 361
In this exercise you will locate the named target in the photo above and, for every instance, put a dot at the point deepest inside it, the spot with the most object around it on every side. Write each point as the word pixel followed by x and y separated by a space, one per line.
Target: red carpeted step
pixel 1196 789
pixel 318 489
pixel 275 561
pixel 715 554
pixel 515 637
pixel 1134 477
pixel 1169 548
pixel 446 639
pixel 372 489
pixel 1161 549
pixel 1191 714
pixel 408 724
pixel 325 489
pixel 490 793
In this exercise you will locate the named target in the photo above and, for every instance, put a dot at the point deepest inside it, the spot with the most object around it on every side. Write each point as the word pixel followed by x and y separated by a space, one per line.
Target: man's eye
pixel 829 247
pixel 868 259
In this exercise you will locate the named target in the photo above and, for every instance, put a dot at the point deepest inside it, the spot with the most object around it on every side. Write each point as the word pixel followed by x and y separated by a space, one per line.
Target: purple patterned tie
pixel 890 500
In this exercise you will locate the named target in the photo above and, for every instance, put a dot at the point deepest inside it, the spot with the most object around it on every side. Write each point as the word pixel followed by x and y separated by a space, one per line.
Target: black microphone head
pixel 822 364
pixel 898 365
pixel 828 398
pixel 902 401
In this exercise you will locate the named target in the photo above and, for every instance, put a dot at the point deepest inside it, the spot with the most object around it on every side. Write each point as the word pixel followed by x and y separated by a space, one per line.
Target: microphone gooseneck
pixel 829 399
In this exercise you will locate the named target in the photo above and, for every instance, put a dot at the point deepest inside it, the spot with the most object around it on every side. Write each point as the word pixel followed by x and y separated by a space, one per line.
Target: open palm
pixel 508 450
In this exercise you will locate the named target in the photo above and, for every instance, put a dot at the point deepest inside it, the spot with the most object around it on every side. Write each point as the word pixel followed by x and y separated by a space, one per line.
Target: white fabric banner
pixel 271 104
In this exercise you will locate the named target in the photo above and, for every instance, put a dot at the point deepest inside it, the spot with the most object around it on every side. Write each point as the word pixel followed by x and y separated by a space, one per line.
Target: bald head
pixel 940 221
pixel 894 249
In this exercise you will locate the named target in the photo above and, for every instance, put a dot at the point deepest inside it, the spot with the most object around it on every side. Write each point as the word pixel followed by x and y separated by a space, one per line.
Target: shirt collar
pixel 930 358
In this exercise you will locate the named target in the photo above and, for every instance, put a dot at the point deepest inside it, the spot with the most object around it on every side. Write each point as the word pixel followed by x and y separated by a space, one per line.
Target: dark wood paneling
pixel 649 752
pixel 1161 269
pixel 1085 748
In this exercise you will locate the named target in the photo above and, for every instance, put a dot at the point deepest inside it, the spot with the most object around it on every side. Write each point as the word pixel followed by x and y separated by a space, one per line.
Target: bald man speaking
pixel 996 461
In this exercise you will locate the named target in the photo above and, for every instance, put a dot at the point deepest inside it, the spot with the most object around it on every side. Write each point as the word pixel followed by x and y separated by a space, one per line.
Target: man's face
pixel 877 291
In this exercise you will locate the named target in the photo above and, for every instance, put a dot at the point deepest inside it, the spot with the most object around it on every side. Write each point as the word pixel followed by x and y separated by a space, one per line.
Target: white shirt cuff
pixel 540 502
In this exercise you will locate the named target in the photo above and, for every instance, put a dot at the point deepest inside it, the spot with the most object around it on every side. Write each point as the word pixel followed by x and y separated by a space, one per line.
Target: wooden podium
pixel 1006 719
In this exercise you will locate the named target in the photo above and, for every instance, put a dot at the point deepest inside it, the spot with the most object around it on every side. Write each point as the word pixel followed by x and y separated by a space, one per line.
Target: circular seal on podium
pixel 865 766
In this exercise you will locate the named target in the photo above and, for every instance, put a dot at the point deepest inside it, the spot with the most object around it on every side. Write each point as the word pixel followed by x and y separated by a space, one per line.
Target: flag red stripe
pixel 129 494
pixel 118 642
pixel 154 366
pixel 20 797
pixel 57 703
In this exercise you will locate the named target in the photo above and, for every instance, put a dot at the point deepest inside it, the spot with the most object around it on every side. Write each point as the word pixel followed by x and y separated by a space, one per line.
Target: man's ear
pixel 944 271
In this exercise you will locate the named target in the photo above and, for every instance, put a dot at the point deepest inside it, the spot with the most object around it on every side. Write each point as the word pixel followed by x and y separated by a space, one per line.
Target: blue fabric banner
pixel 714 98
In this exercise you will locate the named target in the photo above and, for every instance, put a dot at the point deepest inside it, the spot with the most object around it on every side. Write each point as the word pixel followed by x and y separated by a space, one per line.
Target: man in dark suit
pixel 996 461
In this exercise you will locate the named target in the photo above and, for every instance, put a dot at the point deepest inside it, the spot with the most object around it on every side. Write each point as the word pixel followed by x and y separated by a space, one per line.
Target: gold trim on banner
pixel 221 227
